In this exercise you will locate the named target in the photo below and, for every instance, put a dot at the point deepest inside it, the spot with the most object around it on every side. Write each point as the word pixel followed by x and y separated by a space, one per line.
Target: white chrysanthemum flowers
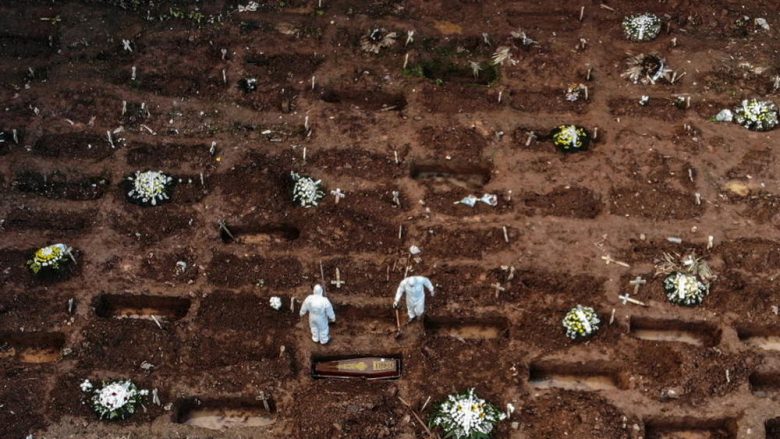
pixel 149 188
pixel 576 92
pixel 51 259
pixel 466 416
pixel 114 399
pixel 306 192
pixel 276 303
pixel 581 322
pixel 642 27
pixel 757 115
pixel 687 279
pixel 685 289
pixel 86 386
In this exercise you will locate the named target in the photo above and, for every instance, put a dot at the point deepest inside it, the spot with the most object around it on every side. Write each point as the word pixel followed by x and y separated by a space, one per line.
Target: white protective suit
pixel 414 287
pixel 320 312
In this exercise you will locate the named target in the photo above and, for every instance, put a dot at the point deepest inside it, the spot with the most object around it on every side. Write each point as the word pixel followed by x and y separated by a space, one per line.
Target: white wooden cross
pixel 497 286
pixel 608 260
pixel 337 194
pixel 637 282
pixel 264 398
pixel 338 282
pixel 627 299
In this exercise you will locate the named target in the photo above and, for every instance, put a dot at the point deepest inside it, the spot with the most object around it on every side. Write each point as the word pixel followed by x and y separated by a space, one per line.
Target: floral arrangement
pixel 377 39
pixel 116 399
pixel 570 138
pixel 642 27
pixel 276 303
pixel 248 84
pixel 50 259
pixel 647 69
pixel 466 416
pixel 684 289
pixel 757 115
pixel 149 187
pixel 687 279
pixel 307 192
pixel 575 92
pixel 581 322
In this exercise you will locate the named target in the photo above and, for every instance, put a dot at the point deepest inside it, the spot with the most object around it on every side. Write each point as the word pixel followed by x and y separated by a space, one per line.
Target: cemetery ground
pixel 94 91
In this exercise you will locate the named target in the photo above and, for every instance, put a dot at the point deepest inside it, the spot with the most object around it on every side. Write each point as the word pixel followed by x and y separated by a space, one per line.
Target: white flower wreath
pixel 307 192
pixel 466 416
pixel 114 399
pixel 149 187
pixel 642 27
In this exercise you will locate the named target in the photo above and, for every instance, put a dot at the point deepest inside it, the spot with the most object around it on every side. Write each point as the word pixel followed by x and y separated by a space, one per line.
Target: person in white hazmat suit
pixel 414 287
pixel 320 313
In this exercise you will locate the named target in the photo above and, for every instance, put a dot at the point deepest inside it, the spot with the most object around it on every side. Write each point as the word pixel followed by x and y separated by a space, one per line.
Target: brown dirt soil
pixel 163 296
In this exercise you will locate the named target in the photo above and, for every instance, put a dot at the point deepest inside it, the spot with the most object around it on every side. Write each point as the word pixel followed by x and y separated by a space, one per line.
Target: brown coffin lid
pixel 371 368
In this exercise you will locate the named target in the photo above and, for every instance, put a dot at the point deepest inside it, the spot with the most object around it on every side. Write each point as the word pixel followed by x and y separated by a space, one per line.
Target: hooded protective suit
pixel 414 287
pixel 320 312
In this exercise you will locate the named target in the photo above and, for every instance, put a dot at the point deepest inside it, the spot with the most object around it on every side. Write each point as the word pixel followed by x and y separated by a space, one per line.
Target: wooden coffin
pixel 370 368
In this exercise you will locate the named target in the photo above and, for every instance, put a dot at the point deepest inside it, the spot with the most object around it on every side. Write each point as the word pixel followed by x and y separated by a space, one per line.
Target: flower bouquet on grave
pixel 52 259
pixel 117 399
pixel 466 416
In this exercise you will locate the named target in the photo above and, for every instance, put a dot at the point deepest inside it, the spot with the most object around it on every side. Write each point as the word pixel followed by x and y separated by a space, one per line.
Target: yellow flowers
pixel 51 257
pixel 580 322
pixel 48 254
pixel 570 138
pixel 757 115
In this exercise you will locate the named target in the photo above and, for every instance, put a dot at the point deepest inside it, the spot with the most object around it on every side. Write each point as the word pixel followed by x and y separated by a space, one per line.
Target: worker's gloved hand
pixel 395 305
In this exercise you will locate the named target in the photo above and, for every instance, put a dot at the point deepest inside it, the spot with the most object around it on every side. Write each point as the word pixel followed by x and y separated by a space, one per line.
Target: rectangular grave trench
pixel 483 328
pixel 225 414
pixel 458 174
pixel 132 306
pixel 259 234
pixel 370 319
pixel 764 383
pixel 762 337
pixel 671 330
pixel 575 376
pixel 772 427
pixel 371 100
pixel 691 428
pixel 370 367
pixel 32 347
